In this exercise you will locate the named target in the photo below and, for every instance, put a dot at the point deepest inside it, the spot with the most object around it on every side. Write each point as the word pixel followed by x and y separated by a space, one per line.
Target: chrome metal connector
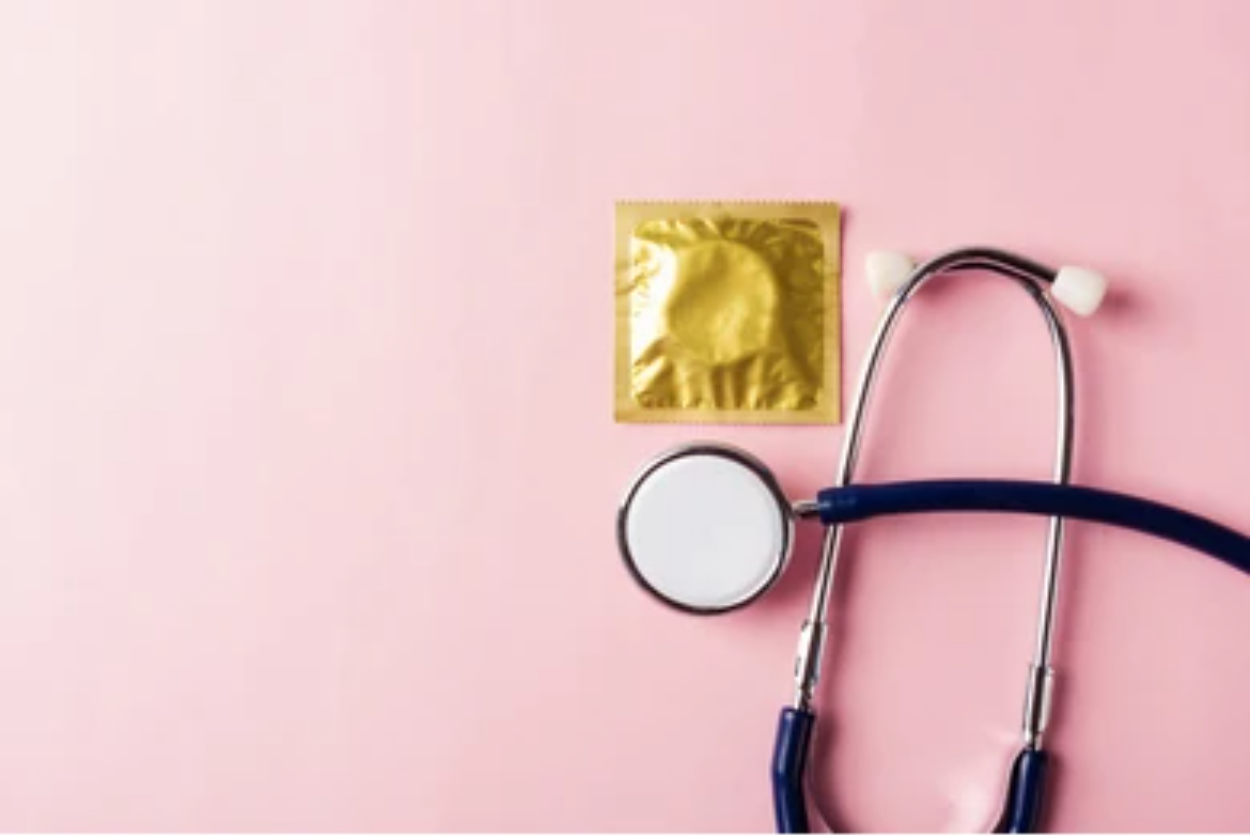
pixel 807 662
pixel 805 509
pixel 1037 702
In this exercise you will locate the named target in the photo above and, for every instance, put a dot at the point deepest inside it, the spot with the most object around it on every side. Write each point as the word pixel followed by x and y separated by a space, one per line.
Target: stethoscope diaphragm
pixel 705 528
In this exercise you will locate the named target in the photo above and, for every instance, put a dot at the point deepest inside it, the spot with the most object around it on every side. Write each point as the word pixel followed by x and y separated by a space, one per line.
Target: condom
pixel 727 313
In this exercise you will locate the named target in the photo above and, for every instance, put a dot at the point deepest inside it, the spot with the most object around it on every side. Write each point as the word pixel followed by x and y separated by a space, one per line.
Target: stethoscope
pixel 707 529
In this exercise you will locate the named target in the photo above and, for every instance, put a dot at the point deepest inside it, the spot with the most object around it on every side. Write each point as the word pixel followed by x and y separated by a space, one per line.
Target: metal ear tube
pixel 886 273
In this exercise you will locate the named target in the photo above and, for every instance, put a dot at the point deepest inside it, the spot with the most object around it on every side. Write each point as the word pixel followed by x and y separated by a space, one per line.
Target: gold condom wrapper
pixel 727 312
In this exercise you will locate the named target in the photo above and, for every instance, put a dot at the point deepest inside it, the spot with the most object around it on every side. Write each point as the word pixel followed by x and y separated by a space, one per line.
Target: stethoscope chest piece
pixel 705 528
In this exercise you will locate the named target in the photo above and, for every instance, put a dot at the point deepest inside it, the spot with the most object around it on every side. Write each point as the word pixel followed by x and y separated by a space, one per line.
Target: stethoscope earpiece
pixel 1079 289
pixel 887 271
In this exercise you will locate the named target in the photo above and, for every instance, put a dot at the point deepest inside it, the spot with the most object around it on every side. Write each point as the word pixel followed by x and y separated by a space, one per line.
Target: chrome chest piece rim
pixel 705 528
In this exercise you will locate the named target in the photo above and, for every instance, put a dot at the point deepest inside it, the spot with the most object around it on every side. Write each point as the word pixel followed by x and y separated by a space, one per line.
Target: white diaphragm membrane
pixel 706 528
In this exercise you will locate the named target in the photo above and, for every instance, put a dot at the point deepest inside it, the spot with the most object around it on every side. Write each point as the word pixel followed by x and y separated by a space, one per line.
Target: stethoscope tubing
pixel 1022 806
pixel 864 501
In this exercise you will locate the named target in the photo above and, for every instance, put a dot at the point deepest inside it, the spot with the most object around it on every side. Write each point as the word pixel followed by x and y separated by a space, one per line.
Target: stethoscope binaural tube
pixel 1080 289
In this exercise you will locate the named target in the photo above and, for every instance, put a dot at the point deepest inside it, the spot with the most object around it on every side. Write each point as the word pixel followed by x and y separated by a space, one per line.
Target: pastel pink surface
pixel 307 467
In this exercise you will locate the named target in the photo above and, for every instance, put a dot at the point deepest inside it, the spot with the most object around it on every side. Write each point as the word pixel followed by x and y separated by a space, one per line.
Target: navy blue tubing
pixel 854 503
pixel 1022 812
pixel 794 738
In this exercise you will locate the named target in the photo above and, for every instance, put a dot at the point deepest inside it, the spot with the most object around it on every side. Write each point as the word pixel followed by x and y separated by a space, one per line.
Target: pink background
pixel 307 466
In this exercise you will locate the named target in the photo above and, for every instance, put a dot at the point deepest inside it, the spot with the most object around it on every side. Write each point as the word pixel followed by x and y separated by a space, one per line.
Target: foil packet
pixel 728 312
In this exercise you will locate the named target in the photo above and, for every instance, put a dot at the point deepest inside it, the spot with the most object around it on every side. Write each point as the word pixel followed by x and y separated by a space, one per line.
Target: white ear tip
pixel 887 271
pixel 1078 289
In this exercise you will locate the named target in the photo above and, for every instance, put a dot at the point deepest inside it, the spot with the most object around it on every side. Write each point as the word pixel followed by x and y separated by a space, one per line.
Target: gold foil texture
pixel 727 313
